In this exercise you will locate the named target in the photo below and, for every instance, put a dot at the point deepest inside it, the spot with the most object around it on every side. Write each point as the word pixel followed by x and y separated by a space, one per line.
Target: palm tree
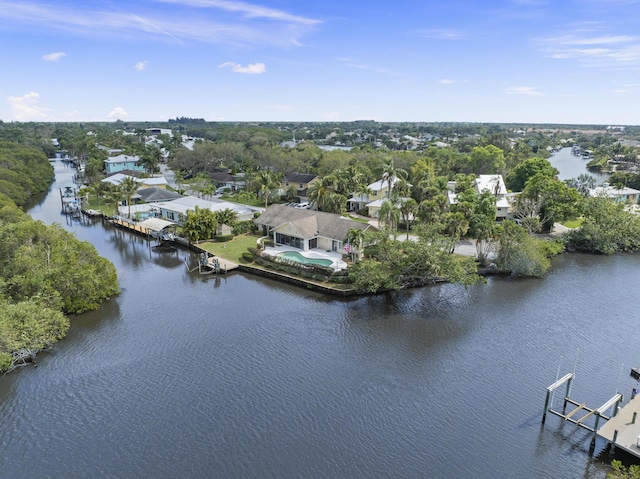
pixel 390 174
pixel 319 193
pixel 389 214
pixel 409 210
pixel 128 187
pixel 227 217
pixel 267 181
pixel 355 237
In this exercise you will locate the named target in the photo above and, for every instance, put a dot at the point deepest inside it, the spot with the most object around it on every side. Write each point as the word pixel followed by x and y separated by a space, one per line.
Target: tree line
pixel 46 273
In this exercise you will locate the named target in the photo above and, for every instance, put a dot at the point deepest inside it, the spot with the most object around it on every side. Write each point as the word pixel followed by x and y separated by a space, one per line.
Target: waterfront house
pixel 152 182
pixel 307 229
pixel 496 186
pixel 176 210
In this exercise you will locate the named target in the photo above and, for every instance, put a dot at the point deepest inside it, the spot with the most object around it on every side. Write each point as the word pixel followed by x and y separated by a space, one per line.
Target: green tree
pixel 200 224
pixel 522 254
pixel 527 169
pixel 128 188
pixel 487 160
pixel 606 229
pixel 558 202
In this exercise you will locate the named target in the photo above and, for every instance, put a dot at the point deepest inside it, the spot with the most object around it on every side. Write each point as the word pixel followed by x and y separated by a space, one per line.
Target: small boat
pixel 635 372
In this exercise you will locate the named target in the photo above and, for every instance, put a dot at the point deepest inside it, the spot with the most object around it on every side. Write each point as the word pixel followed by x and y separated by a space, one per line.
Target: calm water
pixel 239 377
pixel 571 166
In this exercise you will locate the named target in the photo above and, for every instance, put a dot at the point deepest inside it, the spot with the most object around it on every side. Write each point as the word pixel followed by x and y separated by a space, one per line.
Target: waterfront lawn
pixel 231 250
pixel 107 209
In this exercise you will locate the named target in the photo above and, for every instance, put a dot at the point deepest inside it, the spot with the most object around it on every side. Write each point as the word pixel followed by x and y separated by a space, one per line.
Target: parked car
pixel 303 206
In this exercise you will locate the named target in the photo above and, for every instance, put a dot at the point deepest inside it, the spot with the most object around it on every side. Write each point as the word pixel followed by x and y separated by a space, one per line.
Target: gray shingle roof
pixel 308 223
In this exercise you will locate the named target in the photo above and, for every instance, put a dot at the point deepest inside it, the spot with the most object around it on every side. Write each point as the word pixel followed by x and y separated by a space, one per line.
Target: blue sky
pixel 283 60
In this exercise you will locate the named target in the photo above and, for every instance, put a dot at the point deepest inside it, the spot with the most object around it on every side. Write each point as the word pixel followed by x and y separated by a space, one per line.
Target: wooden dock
pixel 211 264
pixel 623 429
pixel 218 265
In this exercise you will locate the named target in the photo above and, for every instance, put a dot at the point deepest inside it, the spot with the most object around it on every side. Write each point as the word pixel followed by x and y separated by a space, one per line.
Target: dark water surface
pixel 240 377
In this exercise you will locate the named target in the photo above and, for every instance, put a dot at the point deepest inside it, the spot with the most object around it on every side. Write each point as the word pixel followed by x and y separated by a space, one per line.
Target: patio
pixel 336 258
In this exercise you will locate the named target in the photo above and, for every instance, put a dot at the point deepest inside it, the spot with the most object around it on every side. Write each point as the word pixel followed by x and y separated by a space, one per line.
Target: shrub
pixel 224 238
pixel 247 256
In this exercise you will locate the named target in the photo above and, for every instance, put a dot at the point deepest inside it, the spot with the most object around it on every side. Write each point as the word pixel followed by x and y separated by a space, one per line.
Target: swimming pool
pixel 297 257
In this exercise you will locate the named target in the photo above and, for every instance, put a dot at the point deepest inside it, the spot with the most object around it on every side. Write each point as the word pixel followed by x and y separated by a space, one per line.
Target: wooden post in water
pixel 612 451
pixel 592 446
pixel 566 394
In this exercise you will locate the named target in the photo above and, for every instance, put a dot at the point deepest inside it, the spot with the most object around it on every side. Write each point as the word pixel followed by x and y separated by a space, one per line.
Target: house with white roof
pixel 153 182
pixel 176 210
pixel 495 185
pixel 621 195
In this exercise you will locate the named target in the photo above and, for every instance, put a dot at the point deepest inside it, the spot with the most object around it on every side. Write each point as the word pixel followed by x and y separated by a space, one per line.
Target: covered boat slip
pixel 154 227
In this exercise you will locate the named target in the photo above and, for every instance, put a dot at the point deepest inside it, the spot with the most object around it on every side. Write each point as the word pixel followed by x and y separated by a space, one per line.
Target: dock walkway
pixel 623 429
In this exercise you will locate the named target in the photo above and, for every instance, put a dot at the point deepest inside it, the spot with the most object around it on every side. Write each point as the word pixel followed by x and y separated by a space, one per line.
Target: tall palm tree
pixel 128 187
pixel 390 174
pixel 319 193
pixel 267 181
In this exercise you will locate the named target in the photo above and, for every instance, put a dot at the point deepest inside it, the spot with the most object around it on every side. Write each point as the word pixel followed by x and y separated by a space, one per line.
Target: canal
pixel 242 377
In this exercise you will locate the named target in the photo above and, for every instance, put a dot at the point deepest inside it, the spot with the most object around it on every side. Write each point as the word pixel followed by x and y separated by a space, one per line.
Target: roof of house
pixel 294 177
pixel 186 203
pixel 122 159
pixel 492 183
pixel 157 194
pixel 308 223
pixel 612 191
pixel 118 178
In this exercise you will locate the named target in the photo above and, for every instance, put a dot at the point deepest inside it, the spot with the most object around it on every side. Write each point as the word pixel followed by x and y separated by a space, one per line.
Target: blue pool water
pixel 295 256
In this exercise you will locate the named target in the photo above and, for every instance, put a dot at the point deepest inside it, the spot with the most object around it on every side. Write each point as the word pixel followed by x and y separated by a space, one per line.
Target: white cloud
pixel 25 108
pixel 250 69
pixel 140 66
pixel 446 81
pixel 247 9
pixel 441 34
pixel 522 90
pixel 243 22
pixel 352 63
pixel 605 51
pixel 53 57
pixel 118 113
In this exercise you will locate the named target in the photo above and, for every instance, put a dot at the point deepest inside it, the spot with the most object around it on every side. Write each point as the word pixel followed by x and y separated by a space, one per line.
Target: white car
pixel 302 206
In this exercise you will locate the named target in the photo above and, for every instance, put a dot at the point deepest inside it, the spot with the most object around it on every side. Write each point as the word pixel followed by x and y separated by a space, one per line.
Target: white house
pixel 623 195
pixel 176 210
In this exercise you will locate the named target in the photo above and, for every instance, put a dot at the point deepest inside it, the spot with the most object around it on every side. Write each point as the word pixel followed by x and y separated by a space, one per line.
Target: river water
pixel 241 377
pixel 571 166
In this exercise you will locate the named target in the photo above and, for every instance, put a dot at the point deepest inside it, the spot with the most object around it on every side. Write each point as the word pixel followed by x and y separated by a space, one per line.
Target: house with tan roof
pixel 307 229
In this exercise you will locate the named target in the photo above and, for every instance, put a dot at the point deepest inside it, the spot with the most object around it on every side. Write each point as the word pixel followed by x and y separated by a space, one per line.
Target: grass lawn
pixel 107 209
pixel 231 250
pixel 573 223
pixel 359 220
